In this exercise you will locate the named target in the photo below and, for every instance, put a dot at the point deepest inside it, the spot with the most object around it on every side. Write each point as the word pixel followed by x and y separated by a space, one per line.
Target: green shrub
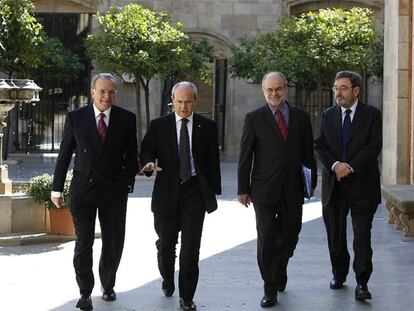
pixel 40 189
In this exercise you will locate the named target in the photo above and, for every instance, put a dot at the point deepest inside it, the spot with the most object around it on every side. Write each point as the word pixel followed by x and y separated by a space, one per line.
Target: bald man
pixel 182 148
pixel 275 143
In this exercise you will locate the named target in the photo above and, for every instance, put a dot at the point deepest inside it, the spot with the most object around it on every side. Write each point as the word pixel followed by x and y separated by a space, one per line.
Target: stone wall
pixel 397 154
pixel 222 23
pixel 18 213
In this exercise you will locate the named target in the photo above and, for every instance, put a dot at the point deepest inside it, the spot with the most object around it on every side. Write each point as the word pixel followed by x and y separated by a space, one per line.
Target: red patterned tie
pixel 101 128
pixel 282 124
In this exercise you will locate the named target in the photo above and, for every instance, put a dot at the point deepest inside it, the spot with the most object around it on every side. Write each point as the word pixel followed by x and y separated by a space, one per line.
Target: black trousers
pixel 278 228
pixel 189 219
pixel 334 216
pixel 112 215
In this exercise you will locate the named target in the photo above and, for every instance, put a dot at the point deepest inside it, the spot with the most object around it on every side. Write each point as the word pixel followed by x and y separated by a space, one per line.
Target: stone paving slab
pixel 40 277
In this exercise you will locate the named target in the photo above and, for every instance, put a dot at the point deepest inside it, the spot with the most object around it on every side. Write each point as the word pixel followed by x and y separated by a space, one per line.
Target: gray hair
pixel 353 76
pixel 274 74
pixel 103 76
pixel 184 84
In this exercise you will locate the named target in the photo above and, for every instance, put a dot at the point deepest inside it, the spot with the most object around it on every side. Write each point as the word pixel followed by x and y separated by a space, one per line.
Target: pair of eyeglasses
pixel 108 92
pixel 342 88
pixel 277 90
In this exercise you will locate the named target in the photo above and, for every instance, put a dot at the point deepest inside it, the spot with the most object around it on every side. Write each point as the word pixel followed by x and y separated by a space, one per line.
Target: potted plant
pixel 60 218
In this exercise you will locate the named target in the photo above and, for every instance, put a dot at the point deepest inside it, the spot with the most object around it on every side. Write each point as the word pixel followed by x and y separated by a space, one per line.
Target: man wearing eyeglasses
pixel 103 137
pixel 348 144
pixel 276 141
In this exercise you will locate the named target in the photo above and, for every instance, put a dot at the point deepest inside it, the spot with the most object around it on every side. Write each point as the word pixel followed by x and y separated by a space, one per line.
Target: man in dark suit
pixel 348 145
pixel 182 148
pixel 103 137
pixel 276 141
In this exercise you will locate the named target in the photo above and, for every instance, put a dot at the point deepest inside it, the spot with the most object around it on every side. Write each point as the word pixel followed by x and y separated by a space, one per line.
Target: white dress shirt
pixel 97 112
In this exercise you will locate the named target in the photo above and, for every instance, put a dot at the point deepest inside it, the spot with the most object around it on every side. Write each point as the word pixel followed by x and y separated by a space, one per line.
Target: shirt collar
pixel 284 109
pixel 97 112
pixel 352 108
pixel 189 118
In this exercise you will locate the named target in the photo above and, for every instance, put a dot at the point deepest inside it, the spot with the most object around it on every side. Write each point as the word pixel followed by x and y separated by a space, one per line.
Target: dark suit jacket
pixel 364 146
pixel 160 142
pixel 109 168
pixel 269 166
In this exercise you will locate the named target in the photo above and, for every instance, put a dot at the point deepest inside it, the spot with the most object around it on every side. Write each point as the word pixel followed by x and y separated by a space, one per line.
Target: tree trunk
pixel 147 111
pixel 319 105
pixel 138 101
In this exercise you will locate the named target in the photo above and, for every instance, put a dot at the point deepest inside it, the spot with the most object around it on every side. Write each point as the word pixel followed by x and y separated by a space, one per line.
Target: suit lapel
pixel 172 130
pixel 337 125
pixel 91 124
pixel 357 120
pixel 271 121
pixel 114 121
pixel 195 135
pixel 293 124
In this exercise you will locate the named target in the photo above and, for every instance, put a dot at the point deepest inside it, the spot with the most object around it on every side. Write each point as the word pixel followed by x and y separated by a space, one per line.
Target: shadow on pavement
pixel 230 280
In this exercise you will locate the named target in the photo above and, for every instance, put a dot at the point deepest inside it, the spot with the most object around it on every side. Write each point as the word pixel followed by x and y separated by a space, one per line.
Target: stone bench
pixel 400 205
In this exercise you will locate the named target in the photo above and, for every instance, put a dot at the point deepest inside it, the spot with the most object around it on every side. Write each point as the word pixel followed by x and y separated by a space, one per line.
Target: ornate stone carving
pixel 407 223
pixel 391 217
pixel 396 213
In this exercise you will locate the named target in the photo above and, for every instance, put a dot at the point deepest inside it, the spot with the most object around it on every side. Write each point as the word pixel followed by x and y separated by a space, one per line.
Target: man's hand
pixel 58 201
pixel 244 199
pixel 150 167
pixel 342 170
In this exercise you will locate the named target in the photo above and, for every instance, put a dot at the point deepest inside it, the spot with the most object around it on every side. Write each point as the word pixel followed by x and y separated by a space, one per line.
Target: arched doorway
pixel 371 91
pixel 212 99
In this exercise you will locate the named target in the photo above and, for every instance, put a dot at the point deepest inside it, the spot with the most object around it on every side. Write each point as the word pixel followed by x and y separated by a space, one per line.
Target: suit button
pixel 90 180
pixel 84 150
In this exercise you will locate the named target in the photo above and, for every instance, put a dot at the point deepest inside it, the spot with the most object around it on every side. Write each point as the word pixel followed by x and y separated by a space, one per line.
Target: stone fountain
pixel 11 92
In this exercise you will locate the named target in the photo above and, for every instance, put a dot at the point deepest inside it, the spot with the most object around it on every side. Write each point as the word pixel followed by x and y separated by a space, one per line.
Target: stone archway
pixel 220 43
pixel 296 7
pixel 213 99
pixel 66 6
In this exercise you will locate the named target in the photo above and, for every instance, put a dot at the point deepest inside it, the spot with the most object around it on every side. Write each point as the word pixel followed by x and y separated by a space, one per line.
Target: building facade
pixel 398 105
pixel 222 23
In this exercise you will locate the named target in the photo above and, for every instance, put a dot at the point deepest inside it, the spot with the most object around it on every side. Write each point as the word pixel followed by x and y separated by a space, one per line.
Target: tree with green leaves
pixel 57 63
pixel 20 37
pixel 139 43
pixel 311 48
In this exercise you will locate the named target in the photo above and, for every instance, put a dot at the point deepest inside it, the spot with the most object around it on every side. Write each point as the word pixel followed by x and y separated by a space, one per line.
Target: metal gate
pixel 38 127
pixel 308 100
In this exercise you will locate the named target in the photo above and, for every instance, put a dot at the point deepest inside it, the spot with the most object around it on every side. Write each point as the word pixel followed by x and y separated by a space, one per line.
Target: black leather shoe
pixel 168 288
pixel 108 294
pixel 187 305
pixel 336 284
pixel 362 293
pixel 268 301
pixel 85 303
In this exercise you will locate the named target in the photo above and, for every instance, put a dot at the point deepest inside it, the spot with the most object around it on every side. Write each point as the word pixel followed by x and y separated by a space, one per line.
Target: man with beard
pixel 276 141
pixel 348 145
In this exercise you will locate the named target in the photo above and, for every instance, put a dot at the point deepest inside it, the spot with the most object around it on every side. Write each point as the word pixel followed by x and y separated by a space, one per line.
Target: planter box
pixel 18 213
pixel 61 221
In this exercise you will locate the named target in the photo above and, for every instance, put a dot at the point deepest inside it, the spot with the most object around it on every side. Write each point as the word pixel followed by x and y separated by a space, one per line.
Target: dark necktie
pixel 282 124
pixel 101 128
pixel 346 129
pixel 184 152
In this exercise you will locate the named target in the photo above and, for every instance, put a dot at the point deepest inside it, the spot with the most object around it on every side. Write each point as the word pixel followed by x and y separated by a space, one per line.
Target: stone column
pixel 397 152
